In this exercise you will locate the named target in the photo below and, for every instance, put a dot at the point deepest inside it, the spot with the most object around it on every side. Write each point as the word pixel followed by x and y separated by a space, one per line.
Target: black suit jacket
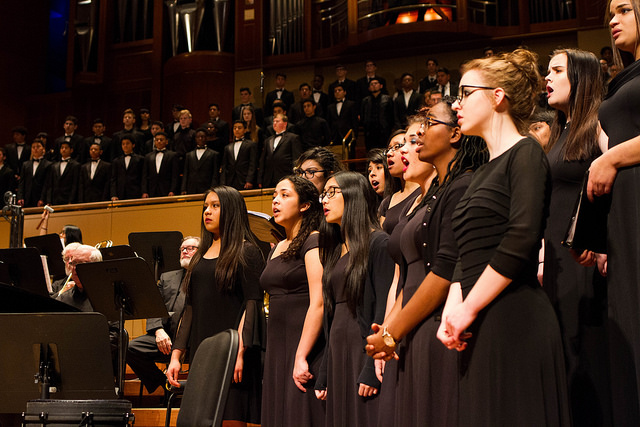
pixel 314 131
pixel 106 144
pixel 7 181
pixel 137 136
pixel 31 187
pixel 402 111
pixel 77 143
pixel 62 189
pixel 426 84
pixel 222 130
pixel 286 97
pixel 160 183
pixel 274 164
pixel 126 183
pixel 174 301
pixel 453 88
pixel 296 112
pixel 362 86
pixel 322 103
pixel 200 175
pixel 236 172
pixel 340 124
pixel 98 188
pixel 14 162
pixel 348 85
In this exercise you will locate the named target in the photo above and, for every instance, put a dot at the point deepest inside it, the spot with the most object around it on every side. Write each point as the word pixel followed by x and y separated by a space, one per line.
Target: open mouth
pixel 375 184
pixel 326 211
pixel 549 91
pixel 275 211
pixel 406 163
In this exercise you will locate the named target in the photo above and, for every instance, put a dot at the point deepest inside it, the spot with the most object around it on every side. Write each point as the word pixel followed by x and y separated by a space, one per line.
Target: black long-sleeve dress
pixel 512 372
pixel 620 120
pixel 579 296
pixel 208 310
pixel 283 404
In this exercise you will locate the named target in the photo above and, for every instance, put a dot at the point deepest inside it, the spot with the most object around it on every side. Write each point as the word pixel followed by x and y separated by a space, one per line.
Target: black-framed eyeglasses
pixel 393 148
pixel 433 121
pixel 464 93
pixel 308 173
pixel 188 249
pixel 330 193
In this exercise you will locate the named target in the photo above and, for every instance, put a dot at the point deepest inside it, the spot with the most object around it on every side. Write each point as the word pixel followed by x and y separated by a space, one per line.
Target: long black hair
pixel 234 236
pixel 391 184
pixel 311 217
pixel 359 217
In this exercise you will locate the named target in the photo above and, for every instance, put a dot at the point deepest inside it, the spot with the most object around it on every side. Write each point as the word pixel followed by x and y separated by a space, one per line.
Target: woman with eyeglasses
pixel 392 206
pixel 222 292
pixel 357 274
pixel 317 165
pixel 511 369
pixel 428 253
pixel 293 279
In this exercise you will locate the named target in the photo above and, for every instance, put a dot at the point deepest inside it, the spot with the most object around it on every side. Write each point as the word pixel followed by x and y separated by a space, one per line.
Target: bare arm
pixel 604 169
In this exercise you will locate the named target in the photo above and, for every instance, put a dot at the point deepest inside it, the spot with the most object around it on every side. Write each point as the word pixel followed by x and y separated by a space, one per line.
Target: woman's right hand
pixel 321 394
pixel 602 174
pixel 173 371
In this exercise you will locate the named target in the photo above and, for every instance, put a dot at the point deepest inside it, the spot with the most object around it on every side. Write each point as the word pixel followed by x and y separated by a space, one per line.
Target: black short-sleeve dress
pixel 393 214
pixel 209 310
pixel 283 404
pixel 512 372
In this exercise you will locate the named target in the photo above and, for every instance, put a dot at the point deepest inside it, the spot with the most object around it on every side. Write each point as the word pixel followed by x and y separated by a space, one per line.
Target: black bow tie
pixel 340 101
pixel 127 155
pixel 238 140
pixel 317 91
pixel 160 151
pixel 201 148
pixel 279 134
pixel 36 160
pixel 95 161
pixel 64 160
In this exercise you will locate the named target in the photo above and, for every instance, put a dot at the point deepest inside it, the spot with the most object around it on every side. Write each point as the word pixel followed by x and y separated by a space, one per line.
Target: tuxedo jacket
pixel 200 175
pixel 77 143
pixel 426 84
pixel 137 136
pixel 13 160
pixel 348 85
pixel 236 172
pixel 160 183
pixel 106 144
pixel 126 183
pixel 296 112
pixel 98 188
pixel 62 189
pixel 322 103
pixel 174 301
pixel 7 181
pixel 286 97
pixel 402 110
pixel 341 123
pixel 31 187
pixel 362 86
pixel 278 162
pixel 453 88
pixel 314 132
pixel 385 118
pixel 222 130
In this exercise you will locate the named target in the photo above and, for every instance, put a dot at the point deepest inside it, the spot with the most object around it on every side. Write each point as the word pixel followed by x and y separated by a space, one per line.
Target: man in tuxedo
pixel 407 102
pixel 377 117
pixel 128 130
pixel 95 177
pixel 126 172
pixel 321 98
pixel 362 84
pixel 61 187
pixel 175 124
pixel 296 112
pixel 349 85
pixel 278 93
pixel 7 176
pixel 342 116
pixel 184 138
pixel 200 167
pixel 76 141
pixel 313 130
pixel 33 177
pixel 239 160
pixel 155 345
pixel 18 151
pixel 106 143
pixel 431 79
pixel 245 101
pixel 222 127
pixel 445 85
pixel 280 152
pixel 160 172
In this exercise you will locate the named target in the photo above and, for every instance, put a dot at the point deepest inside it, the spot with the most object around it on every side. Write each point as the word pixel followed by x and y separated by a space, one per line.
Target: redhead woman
pixel 496 313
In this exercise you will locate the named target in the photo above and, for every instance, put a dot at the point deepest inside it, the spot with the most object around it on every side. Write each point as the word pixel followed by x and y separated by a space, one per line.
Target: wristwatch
pixel 389 341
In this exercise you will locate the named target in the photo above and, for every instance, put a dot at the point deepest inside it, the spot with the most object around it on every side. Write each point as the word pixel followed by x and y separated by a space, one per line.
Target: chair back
pixel 210 375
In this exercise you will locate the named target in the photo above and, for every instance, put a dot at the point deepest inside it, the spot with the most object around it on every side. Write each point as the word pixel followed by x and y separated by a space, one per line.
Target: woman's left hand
pixel 237 372
pixel 301 374
pixel 366 390
pixel 585 259
pixel 457 320
pixel 602 174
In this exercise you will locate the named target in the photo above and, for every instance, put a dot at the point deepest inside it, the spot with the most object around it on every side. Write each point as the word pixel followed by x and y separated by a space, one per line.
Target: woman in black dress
pixel 378 173
pixel 577 291
pixel 293 279
pixel 357 274
pixel 618 171
pixel 511 367
pixel 222 291
pixel 426 389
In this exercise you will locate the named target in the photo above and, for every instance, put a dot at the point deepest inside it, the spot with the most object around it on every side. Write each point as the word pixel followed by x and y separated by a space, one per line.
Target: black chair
pixel 210 374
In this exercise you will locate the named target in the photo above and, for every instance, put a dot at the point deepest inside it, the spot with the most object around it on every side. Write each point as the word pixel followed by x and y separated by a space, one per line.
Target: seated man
pixel 145 350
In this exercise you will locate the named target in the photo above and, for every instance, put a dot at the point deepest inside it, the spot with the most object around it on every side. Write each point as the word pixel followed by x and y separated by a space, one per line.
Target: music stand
pixel 117 252
pixel 22 267
pixel 122 289
pixel 265 228
pixel 16 300
pixel 160 249
pixel 68 352
pixel 50 246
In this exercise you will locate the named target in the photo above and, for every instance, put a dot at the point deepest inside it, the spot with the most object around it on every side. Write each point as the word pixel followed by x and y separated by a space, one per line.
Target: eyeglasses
pixel 393 148
pixel 432 122
pixel 308 173
pixel 188 249
pixel 464 93
pixel 330 193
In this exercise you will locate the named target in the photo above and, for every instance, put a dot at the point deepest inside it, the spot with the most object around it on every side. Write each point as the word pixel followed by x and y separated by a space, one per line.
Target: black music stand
pixel 122 289
pixel 68 353
pixel 50 246
pixel 22 267
pixel 265 228
pixel 117 252
pixel 16 300
pixel 160 249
